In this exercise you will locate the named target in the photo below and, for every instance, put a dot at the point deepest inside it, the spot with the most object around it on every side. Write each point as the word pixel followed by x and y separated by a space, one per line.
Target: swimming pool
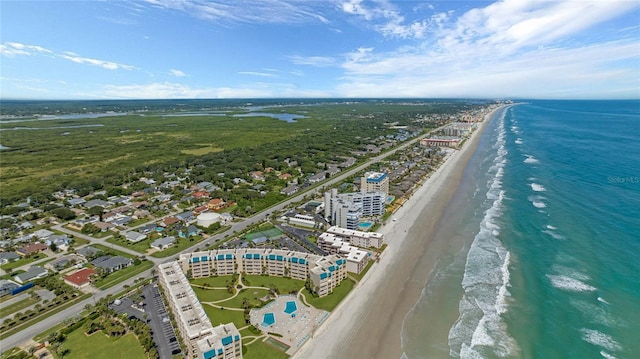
pixel 290 307
pixel 365 225
pixel 268 320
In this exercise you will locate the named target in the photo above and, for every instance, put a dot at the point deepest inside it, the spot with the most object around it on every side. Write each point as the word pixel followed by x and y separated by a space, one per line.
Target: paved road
pixel 53 320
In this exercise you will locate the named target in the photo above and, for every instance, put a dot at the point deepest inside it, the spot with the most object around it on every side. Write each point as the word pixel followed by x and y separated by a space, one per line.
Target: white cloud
pixel 177 73
pixel 11 49
pixel 102 63
pixel 386 19
pixel 252 11
pixel 255 73
pixel 317 61
pixel 511 47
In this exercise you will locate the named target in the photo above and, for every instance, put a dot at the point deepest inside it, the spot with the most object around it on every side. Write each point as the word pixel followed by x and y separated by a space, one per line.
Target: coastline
pixel 368 323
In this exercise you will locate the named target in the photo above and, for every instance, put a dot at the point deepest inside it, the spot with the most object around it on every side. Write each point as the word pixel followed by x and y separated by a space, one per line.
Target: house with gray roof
pixel 96 203
pixel 111 264
pixel 76 201
pixel 6 286
pixel 134 236
pixel 163 243
pixel 34 272
pixel 43 233
pixel 6 257
pixel 88 251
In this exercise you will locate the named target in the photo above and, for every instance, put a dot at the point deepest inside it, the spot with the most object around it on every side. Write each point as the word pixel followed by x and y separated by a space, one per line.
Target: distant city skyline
pixel 165 49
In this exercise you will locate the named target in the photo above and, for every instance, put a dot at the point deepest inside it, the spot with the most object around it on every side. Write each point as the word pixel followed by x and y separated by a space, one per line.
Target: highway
pixel 44 324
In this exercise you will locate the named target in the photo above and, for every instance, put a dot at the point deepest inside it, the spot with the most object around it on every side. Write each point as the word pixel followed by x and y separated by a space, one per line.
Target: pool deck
pixel 295 330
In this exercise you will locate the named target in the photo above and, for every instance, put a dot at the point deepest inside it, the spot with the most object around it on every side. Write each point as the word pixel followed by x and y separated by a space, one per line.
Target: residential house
pixel 88 252
pixel 76 201
pixel 257 175
pixel 6 286
pixel 6 257
pixel 60 241
pixel 186 217
pixel 285 176
pixel 216 204
pixel 288 191
pixel 135 237
pixel 64 262
pixel 188 231
pixel 34 272
pixel 163 243
pixel 104 226
pixel 31 249
pixel 317 177
pixel 111 264
pixel 96 203
pixel 81 278
pixel 169 221
pixel 42 233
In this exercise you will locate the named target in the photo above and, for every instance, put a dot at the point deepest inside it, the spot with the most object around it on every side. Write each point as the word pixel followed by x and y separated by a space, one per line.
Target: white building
pixel 374 182
pixel 358 238
pixel 345 210
pixel 200 337
pixel 357 259
pixel 208 218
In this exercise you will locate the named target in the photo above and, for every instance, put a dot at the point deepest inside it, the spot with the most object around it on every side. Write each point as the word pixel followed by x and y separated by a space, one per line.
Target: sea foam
pixel 600 339
pixel 537 187
pixel 570 284
pixel 480 327
pixel 530 159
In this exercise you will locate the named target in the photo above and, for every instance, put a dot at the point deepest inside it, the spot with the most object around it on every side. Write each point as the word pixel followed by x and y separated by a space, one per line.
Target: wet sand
pixel 368 323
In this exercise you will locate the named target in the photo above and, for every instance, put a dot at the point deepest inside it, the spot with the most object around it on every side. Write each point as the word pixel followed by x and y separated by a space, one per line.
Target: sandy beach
pixel 368 323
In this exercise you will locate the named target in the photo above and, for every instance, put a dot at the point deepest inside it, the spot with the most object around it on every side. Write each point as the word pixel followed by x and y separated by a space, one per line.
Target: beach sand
pixel 368 323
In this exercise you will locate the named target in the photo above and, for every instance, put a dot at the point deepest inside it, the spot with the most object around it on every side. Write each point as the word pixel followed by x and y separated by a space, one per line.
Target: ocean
pixel 544 233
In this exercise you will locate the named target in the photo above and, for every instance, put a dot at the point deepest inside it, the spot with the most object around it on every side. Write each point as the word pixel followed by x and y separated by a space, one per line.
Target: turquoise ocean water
pixel 544 259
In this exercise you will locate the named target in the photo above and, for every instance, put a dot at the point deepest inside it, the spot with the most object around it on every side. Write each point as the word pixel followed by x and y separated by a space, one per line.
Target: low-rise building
pixel 81 278
pixel 6 257
pixel 163 243
pixel 32 273
pixel 358 238
pixel 31 249
pixel 135 237
pixel 111 264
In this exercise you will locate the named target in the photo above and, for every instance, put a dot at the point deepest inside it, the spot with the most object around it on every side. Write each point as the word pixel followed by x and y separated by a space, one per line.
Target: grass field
pixel 262 350
pixel 252 295
pixel 16 307
pixel 215 281
pixel 22 261
pixel 331 301
pixel 222 316
pixel 99 346
pixel 123 274
pixel 211 295
pixel 114 251
pixel 284 285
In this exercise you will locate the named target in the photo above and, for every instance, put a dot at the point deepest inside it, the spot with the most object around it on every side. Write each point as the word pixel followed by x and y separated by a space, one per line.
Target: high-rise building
pixel 375 182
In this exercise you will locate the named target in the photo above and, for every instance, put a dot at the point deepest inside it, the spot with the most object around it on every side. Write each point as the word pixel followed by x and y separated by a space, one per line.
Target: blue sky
pixel 327 48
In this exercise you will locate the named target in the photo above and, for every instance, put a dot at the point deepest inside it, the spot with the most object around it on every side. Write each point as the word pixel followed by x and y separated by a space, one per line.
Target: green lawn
pixel 284 285
pixel 251 294
pixel 363 273
pixel 141 246
pixel 16 307
pixel 123 274
pixel 221 316
pixel 181 244
pixel 332 300
pixel 99 346
pixel 262 350
pixel 211 295
pixel 22 261
pixel 111 250
pixel 215 281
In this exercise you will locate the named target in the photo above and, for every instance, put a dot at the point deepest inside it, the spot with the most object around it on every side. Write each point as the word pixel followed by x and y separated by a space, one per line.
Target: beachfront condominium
pixel 202 340
pixel 374 182
pixel 324 273
pixel 347 209
pixel 357 259
pixel 358 238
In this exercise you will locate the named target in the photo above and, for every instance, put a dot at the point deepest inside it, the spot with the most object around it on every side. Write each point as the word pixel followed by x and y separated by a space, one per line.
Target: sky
pixel 578 49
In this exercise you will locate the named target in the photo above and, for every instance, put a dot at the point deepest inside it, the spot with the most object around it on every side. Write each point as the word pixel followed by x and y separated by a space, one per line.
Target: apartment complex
pixel 356 258
pixel 201 339
pixel 374 182
pixel 358 238
pixel 325 273
pixel 347 209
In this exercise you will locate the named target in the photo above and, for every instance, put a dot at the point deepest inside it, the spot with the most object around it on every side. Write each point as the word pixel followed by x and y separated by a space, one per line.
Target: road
pixel 237 227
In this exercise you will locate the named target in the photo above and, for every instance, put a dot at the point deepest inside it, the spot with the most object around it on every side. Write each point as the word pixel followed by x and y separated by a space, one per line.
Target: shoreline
pixel 368 322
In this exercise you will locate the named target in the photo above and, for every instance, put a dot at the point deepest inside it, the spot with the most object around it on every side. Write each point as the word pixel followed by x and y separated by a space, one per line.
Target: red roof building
pixel 81 278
